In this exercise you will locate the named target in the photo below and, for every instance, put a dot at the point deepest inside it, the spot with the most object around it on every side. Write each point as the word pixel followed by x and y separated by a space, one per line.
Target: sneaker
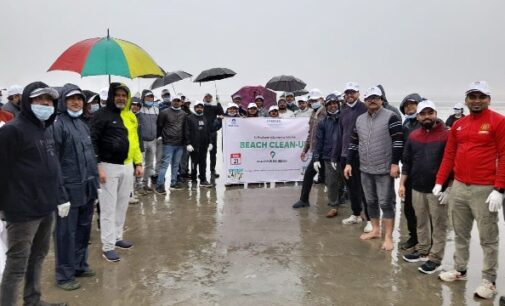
pixel 87 273
pixel 453 275
pixel 486 290
pixel 176 186
pixel 429 267
pixel 133 200
pixel 124 244
pixel 301 204
pixel 352 220
pixel 160 190
pixel 111 256
pixel 69 286
pixel 415 257
pixel 368 227
pixel 408 244
pixel 205 184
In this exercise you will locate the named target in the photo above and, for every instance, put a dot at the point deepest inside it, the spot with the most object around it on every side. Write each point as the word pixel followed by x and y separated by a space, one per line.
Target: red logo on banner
pixel 235 159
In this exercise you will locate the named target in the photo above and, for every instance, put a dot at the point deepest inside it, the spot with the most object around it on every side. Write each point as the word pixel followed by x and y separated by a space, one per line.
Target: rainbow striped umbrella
pixel 107 56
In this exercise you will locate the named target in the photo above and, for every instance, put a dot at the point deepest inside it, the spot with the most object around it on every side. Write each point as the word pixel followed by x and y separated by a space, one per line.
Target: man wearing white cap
pixel 303 109
pixel 237 99
pixel 475 152
pixel 377 141
pixel 458 114
pixel 260 103
pixel 252 110
pixel 14 97
pixel 290 99
pixel 422 156
pixel 284 111
pixel 232 110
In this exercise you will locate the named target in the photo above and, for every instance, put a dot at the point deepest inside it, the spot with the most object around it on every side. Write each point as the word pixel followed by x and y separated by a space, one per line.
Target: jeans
pixel 171 156
pixel 378 188
pixel 308 180
pixel 28 244
pixel 71 238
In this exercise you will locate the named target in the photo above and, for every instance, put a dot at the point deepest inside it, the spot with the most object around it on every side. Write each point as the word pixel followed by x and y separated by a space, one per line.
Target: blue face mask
pixel 94 108
pixel 42 112
pixel 316 105
pixel 148 104
pixel 413 116
pixel 74 114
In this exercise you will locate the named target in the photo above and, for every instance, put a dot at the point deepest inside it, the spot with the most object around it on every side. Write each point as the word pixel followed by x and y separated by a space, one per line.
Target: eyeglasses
pixel 475 96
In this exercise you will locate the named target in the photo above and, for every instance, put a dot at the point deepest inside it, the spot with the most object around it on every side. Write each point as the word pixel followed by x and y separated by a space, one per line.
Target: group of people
pixel 66 150
pixel 452 173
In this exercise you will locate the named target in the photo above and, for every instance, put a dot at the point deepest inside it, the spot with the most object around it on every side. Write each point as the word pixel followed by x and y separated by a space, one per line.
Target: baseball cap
pixel 231 105
pixel 252 105
pixel 165 92
pixel 259 97
pixel 74 92
pixel 289 94
pixel 480 86
pixel 373 91
pixel 44 91
pixel 458 106
pixel 149 94
pixel 315 94
pixel 426 104
pixel 331 98
pixel 198 103
pixel 351 86
pixel 237 97
pixel 177 97
pixel 14 90
pixel 273 107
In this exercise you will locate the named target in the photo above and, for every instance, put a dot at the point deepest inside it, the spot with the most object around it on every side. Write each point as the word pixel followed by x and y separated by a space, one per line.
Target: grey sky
pixel 433 47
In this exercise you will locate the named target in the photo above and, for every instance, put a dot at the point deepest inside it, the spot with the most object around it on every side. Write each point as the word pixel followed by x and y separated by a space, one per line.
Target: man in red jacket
pixel 475 150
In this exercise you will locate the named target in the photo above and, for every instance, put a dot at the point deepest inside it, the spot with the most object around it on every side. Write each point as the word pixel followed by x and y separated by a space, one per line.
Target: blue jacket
pixel 328 138
pixel 76 155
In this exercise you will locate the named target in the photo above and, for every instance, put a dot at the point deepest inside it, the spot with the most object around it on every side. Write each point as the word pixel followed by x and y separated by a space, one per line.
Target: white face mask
pixel 316 105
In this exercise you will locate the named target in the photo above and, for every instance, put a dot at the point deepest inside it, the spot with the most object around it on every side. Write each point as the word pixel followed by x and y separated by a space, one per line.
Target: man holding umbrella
pixel 290 99
pixel 212 113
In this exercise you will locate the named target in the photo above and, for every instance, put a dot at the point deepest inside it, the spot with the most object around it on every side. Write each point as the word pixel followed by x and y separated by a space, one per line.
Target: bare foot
pixel 387 245
pixel 371 235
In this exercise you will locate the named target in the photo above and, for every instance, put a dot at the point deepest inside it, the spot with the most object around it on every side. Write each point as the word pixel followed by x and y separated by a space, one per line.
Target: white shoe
pixel 368 227
pixel 450 276
pixel 352 220
pixel 486 290
pixel 133 200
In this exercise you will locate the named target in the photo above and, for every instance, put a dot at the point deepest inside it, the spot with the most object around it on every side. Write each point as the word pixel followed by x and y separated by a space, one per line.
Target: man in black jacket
pixel 32 188
pixel 212 113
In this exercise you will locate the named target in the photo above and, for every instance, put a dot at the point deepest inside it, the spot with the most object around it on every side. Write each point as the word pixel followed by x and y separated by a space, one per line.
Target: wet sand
pixel 235 246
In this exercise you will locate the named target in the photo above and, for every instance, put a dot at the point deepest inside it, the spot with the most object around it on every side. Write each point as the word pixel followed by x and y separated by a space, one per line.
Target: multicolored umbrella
pixel 249 93
pixel 107 56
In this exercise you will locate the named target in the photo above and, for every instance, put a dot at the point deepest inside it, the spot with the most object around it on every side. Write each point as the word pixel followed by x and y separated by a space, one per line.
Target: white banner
pixel 264 149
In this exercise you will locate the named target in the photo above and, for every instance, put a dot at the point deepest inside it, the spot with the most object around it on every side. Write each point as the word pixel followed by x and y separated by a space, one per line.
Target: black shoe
pixel 87 273
pixel 318 181
pixel 205 184
pixel 154 178
pixel 415 257
pixel 42 303
pixel 124 244
pixel 214 174
pixel 502 300
pixel 160 190
pixel 408 244
pixel 176 186
pixel 429 267
pixel 341 199
pixel 300 204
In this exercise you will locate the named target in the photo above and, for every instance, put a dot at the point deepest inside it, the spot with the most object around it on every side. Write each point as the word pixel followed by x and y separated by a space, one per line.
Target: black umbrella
pixel 214 74
pixel 300 92
pixel 285 83
pixel 169 78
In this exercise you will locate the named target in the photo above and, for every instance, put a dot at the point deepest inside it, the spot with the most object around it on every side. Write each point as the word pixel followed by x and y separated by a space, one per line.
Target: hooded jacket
pixel 328 138
pixel 31 178
pixel 147 119
pixel 12 108
pixel 75 153
pixel 386 103
pixel 114 132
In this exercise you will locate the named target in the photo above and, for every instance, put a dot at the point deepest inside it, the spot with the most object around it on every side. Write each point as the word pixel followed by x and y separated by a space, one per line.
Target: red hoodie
pixel 476 150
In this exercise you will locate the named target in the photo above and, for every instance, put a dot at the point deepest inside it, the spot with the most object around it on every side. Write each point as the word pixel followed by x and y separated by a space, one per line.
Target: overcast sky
pixel 433 47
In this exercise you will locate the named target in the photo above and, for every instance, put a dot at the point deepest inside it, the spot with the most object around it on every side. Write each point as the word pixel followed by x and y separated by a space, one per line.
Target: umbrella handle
pixel 215 87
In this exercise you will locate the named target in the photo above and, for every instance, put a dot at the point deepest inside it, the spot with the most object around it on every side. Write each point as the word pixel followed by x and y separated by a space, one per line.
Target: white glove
pixel 495 200
pixel 317 166
pixel 334 166
pixel 211 147
pixel 63 209
pixel 443 198
pixel 437 190
pixel 190 148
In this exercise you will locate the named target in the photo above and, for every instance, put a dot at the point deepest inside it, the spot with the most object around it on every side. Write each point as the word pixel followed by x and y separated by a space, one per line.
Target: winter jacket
pixel 114 132
pixel 422 155
pixel 409 125
pixel 347 121
pixel 386 103
pixel 148 117
pixel 293 107
pixel 317 115
pixel 452 118
pixel 476 150
pixel 75 152
pixel 198 131
pixel 170 126
pixel 12 108
pixel 31 178
pixel 328 138
pixel 212 111
pixel 413 96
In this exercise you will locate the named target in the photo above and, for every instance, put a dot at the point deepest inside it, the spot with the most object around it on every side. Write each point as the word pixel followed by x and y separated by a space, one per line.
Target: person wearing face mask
pixel 32 191
pixel 167 99
pixel 421 159
pixel 213 113
pixel 197 140
pixel 290 100
pixel 92 104
pixel 114 133
pixel 148 117
pixel 13 105
pixel 408 107
pixel 171 127
pixel 80 178
pixel 318 113
pixel 328 140
pixel 458 114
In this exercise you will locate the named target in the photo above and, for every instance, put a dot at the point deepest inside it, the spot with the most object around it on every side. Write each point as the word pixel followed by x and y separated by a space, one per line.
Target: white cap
pixel 104 93
pixel 252 105
pixel 458 106
pixel 273 107
pixel 231 105
pixel 45 91
pixel 237 97
pixel 14 90
pixel 373 91
pixel 351 86
pixel 426 104
pixel 165 92
pixel 481 86
pixel 337 93
pixel 197 102
pixel 315 94
pixel 259 97
pixel 74 92
pixel 177 97
pixel 288 94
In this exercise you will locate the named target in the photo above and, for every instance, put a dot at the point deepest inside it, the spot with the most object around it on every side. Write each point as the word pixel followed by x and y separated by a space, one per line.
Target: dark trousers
pixel 71 238
pixel 213 152
pixel 199 161
pixel 355 190
pixel 409 212
pixel 184 167
pixel 308 180
pixel 28 244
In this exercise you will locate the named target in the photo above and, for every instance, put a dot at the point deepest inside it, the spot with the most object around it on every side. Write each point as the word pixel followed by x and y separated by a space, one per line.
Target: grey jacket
pixel 171 125
pixel 316 116
pixel 148 117
pixel 11 108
